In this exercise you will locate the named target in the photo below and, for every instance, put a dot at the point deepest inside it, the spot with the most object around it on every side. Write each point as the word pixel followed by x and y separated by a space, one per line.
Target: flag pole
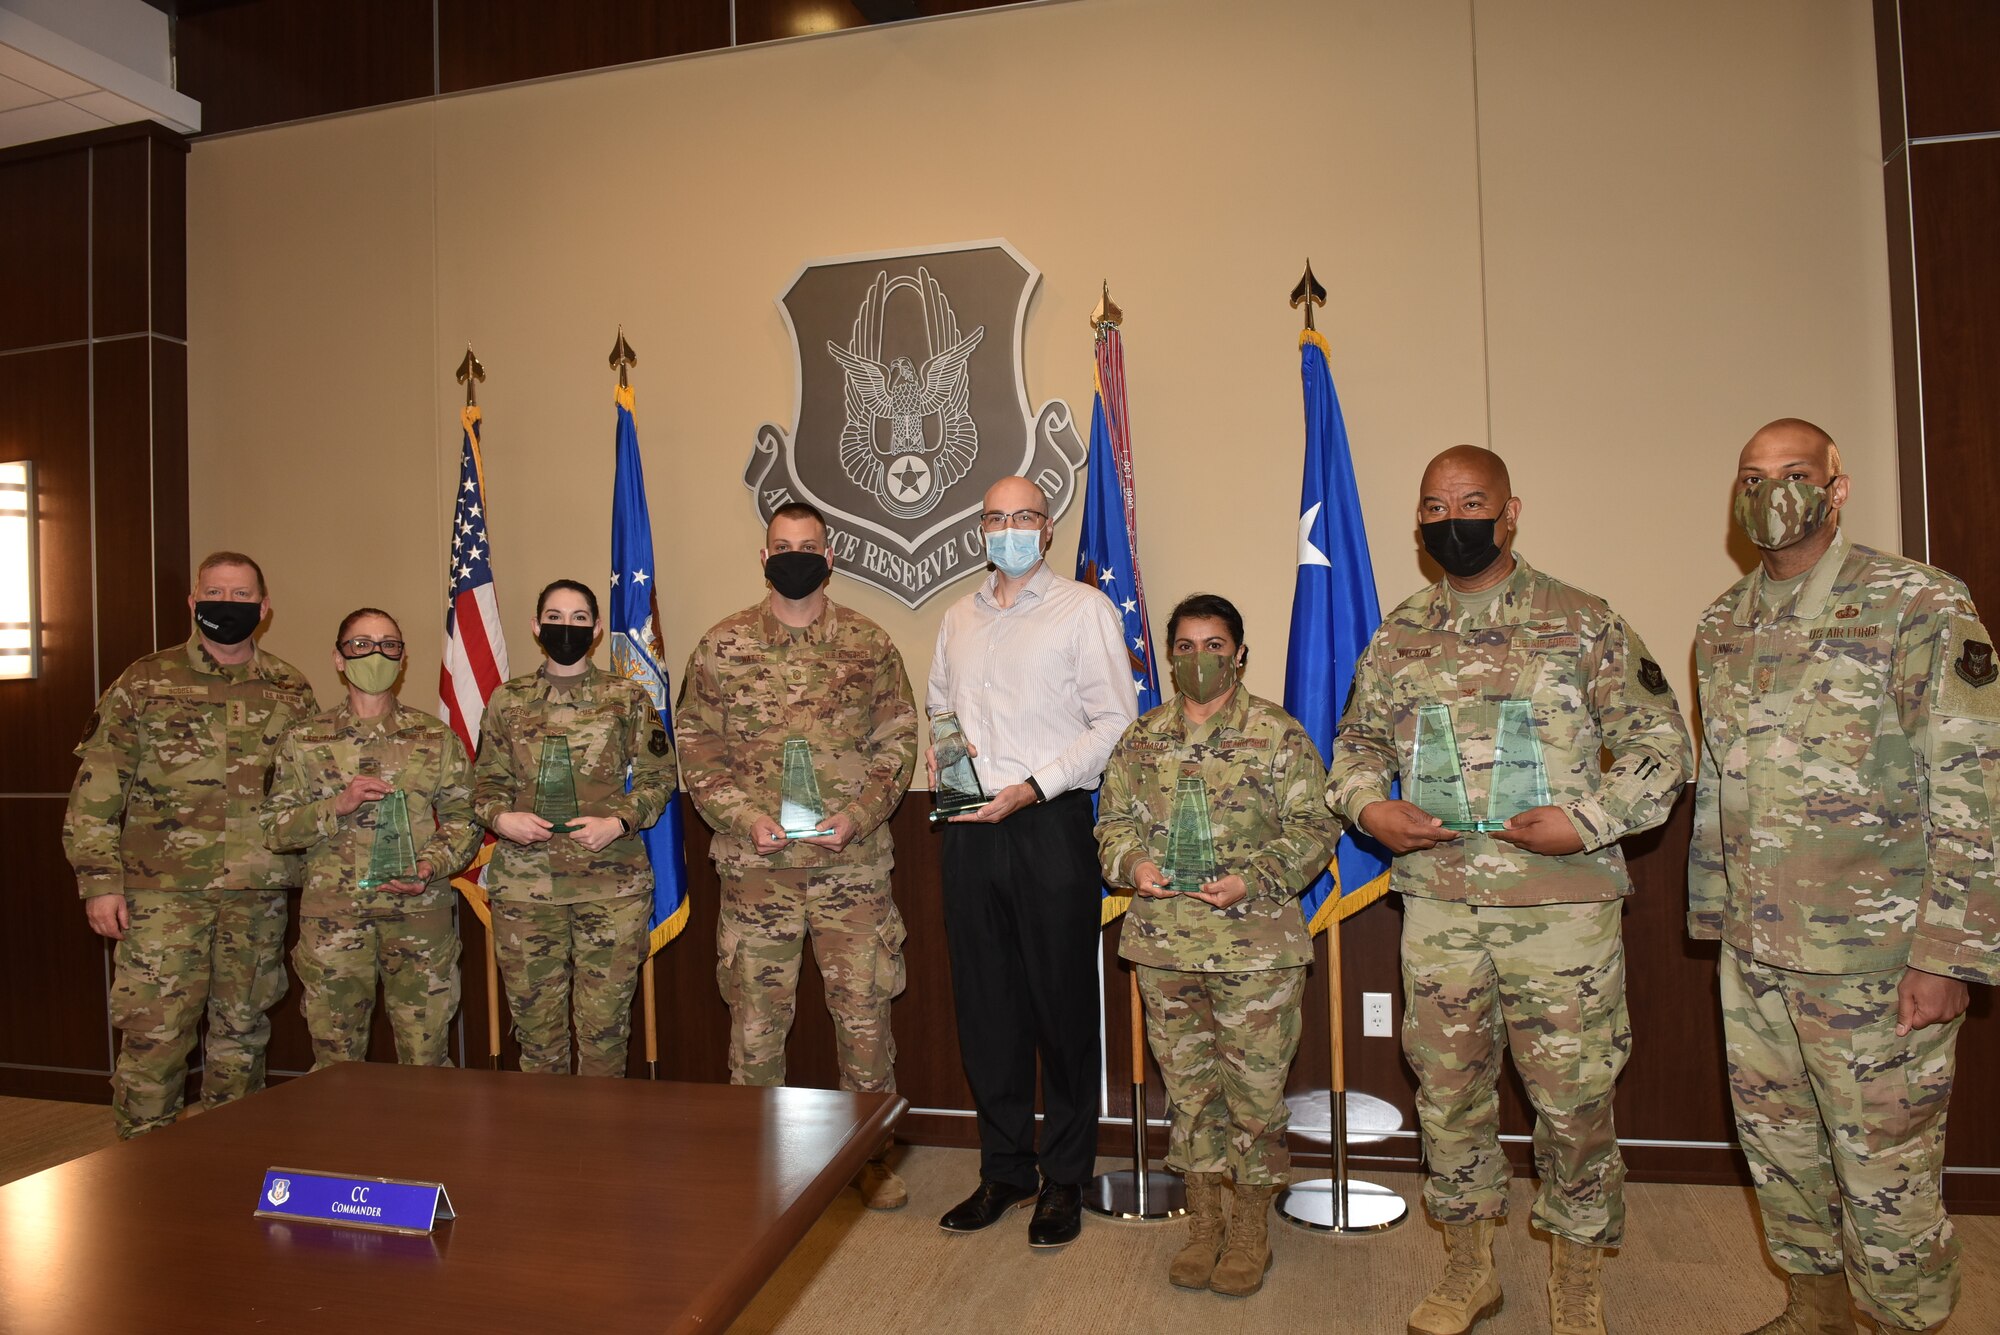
pixel 1139 1192
pixel 1340 1204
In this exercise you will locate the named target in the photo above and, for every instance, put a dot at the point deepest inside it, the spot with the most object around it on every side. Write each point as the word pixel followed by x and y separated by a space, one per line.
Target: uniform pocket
pixel 891 976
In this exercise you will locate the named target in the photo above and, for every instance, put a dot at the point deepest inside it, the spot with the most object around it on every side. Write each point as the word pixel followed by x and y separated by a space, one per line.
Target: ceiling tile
pixel 15 64
pixel 14 93
pixel 113 108
pixel 46 120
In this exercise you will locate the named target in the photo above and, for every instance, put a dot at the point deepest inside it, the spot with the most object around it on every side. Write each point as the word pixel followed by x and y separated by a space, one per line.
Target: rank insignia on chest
pixel 1651 677
pixel 238 715
pixel 657 743
pixel 1975 664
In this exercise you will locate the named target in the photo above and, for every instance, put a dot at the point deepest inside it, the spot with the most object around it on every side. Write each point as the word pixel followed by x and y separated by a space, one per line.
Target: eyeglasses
pixel 995 520
pixel 361 646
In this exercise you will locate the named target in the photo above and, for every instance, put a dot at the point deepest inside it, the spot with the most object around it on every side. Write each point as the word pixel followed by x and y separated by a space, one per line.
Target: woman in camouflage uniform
pixel 571 897
pixel 332 797
pixel 1221 954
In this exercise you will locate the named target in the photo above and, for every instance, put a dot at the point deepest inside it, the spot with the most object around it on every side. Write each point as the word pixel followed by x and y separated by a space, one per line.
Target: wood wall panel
pixel 486 42
pixel 121 196
pixel 44 271
pixel 173 564
pixel 45 416
pixel 278 60
pixel 1948 51
pixel 1955 198
pixel 52 966
pixel 168 267
pixel 121 388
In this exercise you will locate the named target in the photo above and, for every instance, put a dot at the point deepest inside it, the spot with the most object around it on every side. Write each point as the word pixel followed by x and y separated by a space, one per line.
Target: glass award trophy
pixel 555 785
pixel 1436 781
pixel 800 809
pixel 1190 860
pixel 393 856
pixel 958 789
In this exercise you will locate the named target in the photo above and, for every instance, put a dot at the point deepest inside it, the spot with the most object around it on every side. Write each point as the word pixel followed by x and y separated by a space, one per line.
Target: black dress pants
pixel 1022 911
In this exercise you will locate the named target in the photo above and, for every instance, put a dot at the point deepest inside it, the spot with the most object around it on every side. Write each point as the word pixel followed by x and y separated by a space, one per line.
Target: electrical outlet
pixel 1375 1015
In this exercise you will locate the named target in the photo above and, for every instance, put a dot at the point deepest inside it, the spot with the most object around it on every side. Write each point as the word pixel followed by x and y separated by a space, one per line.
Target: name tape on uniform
pixel 392 1205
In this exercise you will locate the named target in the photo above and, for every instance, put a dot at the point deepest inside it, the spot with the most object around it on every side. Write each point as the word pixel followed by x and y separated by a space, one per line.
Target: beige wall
pixel 1631 233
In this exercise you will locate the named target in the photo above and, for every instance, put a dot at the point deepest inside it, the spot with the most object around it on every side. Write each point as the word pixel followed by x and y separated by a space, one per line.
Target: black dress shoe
pixel 1058 1216
pixel 984 1206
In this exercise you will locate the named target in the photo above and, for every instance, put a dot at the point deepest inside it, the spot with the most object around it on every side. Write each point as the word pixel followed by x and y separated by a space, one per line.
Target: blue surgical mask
pixel 1014 550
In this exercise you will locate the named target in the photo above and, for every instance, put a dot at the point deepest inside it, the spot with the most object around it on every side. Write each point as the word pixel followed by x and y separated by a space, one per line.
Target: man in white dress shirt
pixel 1035 666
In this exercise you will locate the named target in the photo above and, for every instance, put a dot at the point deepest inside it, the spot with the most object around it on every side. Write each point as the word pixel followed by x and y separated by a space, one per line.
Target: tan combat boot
pixel 1247 1255
pixel 879 1186
pixel 1817 1306
pixel 1576 1293
pixel 1195 1262
pixel 1470 1289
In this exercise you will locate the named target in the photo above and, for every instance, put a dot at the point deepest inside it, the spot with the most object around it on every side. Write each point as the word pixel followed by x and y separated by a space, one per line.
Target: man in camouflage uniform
pixel 1221 956
pixel 570 904
pixel 162 831
pixel 333 776
pixel 1512 930
pixel 795 666
pixel 1844 854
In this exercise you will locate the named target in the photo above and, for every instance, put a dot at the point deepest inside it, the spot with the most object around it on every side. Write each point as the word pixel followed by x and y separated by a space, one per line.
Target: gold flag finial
pixel 1309 293
pixel 470 372
pixel 622 356
pixel 1107 315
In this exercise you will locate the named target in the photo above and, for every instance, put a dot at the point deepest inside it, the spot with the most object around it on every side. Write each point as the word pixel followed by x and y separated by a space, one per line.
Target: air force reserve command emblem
pixel 911 403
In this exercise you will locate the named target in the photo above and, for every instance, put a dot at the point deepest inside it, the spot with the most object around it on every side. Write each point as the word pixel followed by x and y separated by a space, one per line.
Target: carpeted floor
pixel 1692 1262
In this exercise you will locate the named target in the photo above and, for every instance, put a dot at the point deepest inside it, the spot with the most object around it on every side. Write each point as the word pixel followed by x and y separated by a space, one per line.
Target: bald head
pixel 1787 445
pixel 1016 493
pixel 1464 466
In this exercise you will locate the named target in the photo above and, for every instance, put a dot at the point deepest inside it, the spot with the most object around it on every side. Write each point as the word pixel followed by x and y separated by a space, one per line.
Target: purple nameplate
pixel 392 1205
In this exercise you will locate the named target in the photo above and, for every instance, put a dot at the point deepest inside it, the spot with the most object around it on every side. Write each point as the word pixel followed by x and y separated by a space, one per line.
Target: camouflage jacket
pixel 176 761
pixel 1267 811
pixel 1590 686
pixel 1851 743
pixel 751 684
pixel 412 750
pixel 612 728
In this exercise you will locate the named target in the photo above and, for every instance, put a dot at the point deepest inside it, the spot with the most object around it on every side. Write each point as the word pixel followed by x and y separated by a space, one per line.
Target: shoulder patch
pixel 1651 677
pixel 1966 689
pixel 657 743
pixel 90 728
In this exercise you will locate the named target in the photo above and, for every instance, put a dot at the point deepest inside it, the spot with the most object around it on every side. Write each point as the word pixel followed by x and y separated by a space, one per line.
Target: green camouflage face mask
pixel 373 673
pixel 1202 676
pixel 1775 515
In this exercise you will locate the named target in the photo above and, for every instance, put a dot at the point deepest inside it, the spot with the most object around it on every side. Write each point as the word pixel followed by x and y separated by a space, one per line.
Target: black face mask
pixel 1464 547
pixel 566 644
pixel 795 574
pixel 227 622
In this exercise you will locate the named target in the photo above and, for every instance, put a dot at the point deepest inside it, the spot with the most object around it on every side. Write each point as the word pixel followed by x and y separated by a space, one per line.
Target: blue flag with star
pixel 1105 557
pixel 1334 614
pixel 637 654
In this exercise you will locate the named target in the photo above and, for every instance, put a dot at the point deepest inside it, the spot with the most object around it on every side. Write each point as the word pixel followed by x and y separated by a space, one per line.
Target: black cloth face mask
pixel 227 622
pixel 1464 547
pixel 795 575
pixel 565 644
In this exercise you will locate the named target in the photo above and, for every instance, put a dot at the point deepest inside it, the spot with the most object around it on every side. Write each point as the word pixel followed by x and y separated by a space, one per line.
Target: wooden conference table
pixel 583 1205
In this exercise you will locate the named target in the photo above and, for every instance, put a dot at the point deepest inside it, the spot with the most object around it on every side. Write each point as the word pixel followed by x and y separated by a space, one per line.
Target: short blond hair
pixel 214 559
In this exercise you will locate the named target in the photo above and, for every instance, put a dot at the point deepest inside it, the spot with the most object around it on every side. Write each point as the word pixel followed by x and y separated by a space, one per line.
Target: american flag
pixel 475 650
pixel 1107 552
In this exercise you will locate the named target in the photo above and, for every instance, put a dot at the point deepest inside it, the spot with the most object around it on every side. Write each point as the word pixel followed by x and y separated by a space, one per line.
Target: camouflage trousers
pixel 1546 983
pixel 414 957
pixel 186 952
pixel 857 940
pixel 1225 1042
pixel 1843 1125
pixel 555 958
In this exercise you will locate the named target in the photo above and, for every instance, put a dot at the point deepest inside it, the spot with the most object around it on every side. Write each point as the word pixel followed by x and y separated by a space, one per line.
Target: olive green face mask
pixel 1202 676
pixel 1774 515
pixel 373 673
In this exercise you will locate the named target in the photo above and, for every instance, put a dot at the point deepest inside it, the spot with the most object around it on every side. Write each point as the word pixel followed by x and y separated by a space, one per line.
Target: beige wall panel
pixel 313 378
pixel 1681 240
pixel 1684 240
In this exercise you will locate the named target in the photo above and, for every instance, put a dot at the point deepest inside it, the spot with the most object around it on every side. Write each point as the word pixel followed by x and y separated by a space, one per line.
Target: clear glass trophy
pixel 800 809
pixel 958 789
pixel 1436 781
pixel 393 856
pixel 1190 861
pixel 555 785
